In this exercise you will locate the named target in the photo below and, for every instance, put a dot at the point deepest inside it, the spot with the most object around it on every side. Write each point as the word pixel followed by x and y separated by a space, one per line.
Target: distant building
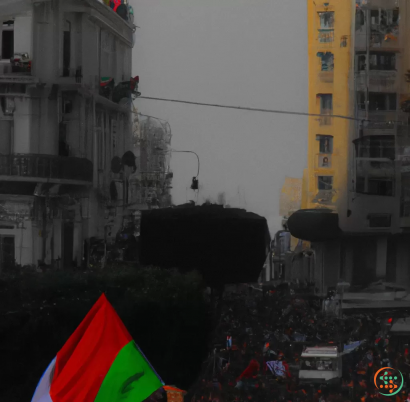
pixel 152 181
pixel 356 190
pixel 65 127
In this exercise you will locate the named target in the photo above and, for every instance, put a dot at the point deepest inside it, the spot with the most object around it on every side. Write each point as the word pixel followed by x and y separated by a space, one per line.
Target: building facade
pixel 356 186
pixel 66 149
pixel 153 177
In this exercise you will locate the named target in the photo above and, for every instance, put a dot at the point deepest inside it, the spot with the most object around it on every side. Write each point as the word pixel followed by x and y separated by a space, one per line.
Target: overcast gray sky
pixel 250 53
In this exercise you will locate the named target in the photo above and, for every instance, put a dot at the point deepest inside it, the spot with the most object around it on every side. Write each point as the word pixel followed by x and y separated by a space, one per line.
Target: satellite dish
pixel 116 164
pixel 122 11
pixel 128 159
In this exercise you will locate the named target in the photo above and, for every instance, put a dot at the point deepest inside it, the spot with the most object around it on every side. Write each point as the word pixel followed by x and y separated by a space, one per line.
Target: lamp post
pixel 194 185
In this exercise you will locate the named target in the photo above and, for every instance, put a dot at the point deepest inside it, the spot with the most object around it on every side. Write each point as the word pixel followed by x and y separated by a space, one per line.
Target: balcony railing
pixel 382 121
pixel 325 120
pixel 46 167
pixel 326 36
pixel 326 76
pixel 6 68
pixel 375 41
pixel 379 81
pixel 375 4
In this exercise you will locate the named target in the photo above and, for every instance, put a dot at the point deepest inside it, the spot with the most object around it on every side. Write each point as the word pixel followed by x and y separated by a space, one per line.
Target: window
pixel 377 101
pixel 326 108
pixel 359 18
pixel 382 101
pixel 7 252
pixel 384 26
pixel 326 103
pixel 384 18
pixel 361 101
pixel 361 62
pixel 319 363
pixel 100 140
pixel 327 61
pixel 374 17
pixel 375 177
pixel 66 49
pixel 380 186
pixel 114 136
pixel 108 55
pixel 67 104
pixel 6 137
pixel 379 61
pixel 7 50
pixel 7 105
pixel 63 147
pixel 376 147
pixel 325 144
pixel 326 23
pixel 325 182
pixel 327 20
pixel 379 220
pixel 382 61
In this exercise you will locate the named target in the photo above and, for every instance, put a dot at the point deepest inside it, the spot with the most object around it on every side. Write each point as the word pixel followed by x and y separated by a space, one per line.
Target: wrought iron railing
pixel 46 167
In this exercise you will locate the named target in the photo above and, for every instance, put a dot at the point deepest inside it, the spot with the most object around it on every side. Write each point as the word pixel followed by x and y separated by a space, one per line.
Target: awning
pixel 402 325
pixel 314 225
pixel 60 190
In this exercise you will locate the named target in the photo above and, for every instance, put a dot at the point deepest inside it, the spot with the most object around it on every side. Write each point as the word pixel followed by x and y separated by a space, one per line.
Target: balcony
pixel 8 74
pixel 46 169
pixel 326 77
pixel 379 81
pixel 326 38
pixel 325 120
pixel 384 35
pixel 381 122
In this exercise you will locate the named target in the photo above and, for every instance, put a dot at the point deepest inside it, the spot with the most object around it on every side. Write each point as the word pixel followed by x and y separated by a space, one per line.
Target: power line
pixel 251 109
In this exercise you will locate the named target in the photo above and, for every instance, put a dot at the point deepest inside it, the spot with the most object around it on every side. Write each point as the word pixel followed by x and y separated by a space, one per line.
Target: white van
pixel 321 364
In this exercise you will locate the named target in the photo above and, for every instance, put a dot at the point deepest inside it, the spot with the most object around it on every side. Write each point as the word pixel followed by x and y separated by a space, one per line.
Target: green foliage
pixel 164 311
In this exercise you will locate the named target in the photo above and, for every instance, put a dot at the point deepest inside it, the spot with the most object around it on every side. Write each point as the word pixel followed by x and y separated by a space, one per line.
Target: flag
pixel 278 368
pixel 100 362
pixel 250 371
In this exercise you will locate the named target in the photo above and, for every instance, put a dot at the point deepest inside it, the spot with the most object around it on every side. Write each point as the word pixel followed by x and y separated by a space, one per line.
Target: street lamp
pixel 194 185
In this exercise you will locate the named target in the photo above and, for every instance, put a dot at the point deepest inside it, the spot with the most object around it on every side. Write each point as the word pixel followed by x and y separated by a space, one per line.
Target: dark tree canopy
pixel 160 308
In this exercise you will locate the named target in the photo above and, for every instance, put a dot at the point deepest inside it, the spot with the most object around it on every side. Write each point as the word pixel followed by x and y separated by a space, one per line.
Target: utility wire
pixel 251 109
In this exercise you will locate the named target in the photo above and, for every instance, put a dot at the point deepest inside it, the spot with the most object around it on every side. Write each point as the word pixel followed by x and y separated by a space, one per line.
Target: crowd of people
pixel 260 338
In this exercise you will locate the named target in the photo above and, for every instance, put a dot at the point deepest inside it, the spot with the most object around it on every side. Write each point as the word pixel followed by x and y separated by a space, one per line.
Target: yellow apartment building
pixel 356 188
pixel 330 49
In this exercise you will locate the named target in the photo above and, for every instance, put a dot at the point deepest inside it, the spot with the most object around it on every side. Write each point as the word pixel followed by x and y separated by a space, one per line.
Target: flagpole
pixel 213 371
pixel 163 383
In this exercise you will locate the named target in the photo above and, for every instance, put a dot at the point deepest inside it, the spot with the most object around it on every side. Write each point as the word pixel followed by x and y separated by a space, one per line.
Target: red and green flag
pixel 99 363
